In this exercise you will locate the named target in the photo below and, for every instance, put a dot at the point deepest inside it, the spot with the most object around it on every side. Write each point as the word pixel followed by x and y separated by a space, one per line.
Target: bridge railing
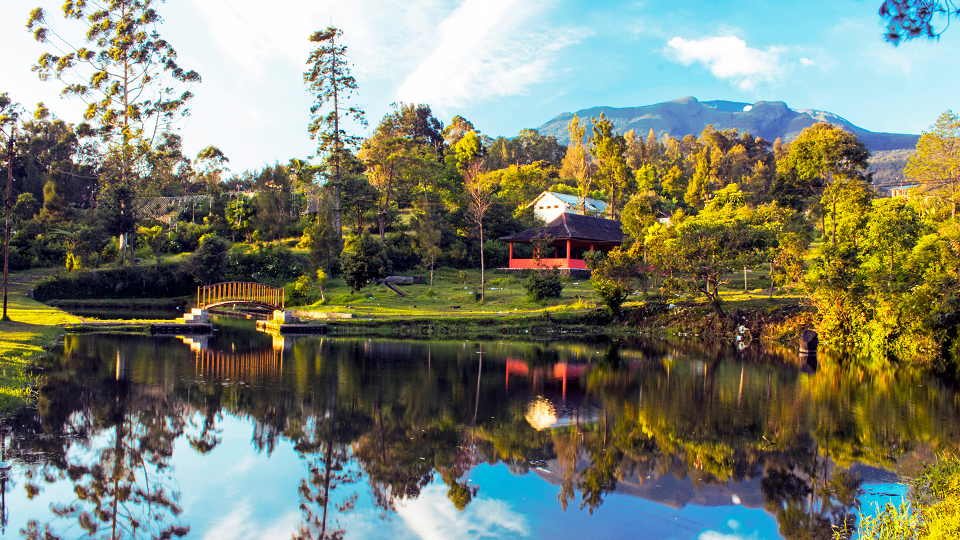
pixel 239 291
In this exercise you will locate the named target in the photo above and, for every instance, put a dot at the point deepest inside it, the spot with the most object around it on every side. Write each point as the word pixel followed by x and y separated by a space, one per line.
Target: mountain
pixel 767 119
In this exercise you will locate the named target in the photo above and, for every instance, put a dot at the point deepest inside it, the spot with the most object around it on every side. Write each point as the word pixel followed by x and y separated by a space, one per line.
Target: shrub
pixel 541 286
pixel 209 262
pixel 367 263
pixel 164 281
pixel 301 292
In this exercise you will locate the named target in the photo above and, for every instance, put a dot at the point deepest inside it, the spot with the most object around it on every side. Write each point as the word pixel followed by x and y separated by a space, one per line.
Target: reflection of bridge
pixel 238 366
pixel 238 292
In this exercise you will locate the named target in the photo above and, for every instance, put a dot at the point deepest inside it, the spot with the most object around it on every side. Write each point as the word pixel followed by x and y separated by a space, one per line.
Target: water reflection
pixel 377 426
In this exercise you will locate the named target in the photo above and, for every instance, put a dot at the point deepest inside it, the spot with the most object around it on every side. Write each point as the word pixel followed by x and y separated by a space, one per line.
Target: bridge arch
pixel 240 292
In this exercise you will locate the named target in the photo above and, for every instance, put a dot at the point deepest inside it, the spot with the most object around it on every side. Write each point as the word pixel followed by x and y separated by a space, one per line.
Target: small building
pixel 902 191
pixel 565 240
pixel 551 204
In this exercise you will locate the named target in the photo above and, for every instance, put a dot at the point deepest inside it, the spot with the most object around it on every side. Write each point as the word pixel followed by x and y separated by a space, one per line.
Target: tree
pixel 209 262
pixel 705 248
pixel 366 264
pixel 576 162
pixel 823 154
pixel 612 278
pixel 608 148
pixel 480 191
pixel 892 231
pixel 912 19
pixel 328 78
pixel 429 237
pixel 936 164
pixel 129 77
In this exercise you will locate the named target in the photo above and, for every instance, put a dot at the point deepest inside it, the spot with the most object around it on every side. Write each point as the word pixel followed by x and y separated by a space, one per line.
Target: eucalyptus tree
pixel 126 74
pixel 328 78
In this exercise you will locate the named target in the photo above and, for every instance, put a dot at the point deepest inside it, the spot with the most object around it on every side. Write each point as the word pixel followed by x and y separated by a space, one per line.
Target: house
pixel 551 204
pixel 565 240
pixel 902 191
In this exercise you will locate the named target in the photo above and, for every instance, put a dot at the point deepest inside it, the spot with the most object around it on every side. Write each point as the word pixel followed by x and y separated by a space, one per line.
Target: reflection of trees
pixel 407 414
pixel 119 460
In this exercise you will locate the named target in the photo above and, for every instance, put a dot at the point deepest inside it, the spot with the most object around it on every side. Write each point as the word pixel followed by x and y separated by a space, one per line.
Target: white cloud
pixel 807 62
pixel 729 58
pixel 432 516
pixel 486 49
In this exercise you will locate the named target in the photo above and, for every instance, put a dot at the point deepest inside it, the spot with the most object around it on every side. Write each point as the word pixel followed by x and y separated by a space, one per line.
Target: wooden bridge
pixel 239 292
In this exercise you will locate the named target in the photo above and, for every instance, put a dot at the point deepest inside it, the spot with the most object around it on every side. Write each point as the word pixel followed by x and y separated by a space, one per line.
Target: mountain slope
pixel 688 116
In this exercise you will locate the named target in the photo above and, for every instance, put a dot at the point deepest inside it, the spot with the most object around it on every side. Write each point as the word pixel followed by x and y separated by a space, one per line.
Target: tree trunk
pixel 771 279
pixel 482 266
pixel 833 218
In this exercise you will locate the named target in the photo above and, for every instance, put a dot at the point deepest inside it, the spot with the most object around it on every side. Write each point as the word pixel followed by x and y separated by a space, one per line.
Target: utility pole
pixel 8 203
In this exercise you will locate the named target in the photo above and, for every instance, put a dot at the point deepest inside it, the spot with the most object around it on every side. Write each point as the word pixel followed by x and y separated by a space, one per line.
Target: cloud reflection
pixel 433 517
pixel 242 525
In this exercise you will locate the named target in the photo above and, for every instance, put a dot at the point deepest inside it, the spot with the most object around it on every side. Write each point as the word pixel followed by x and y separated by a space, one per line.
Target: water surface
pixel 243 435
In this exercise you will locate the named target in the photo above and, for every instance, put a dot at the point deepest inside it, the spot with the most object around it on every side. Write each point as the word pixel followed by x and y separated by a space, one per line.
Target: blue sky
pixel 512 64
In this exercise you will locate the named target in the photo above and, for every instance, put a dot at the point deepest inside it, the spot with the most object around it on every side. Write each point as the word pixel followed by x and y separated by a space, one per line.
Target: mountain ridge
pixel 689 116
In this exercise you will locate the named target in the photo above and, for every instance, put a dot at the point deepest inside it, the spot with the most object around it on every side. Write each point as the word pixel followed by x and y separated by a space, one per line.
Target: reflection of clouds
pixel 433 517
pixel 716 535
pixel 240 525
pixel 244 465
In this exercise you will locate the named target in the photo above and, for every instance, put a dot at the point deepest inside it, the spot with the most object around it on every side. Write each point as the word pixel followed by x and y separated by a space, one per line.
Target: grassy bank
pixel 540 326
pixel 33 328
pixel 451 310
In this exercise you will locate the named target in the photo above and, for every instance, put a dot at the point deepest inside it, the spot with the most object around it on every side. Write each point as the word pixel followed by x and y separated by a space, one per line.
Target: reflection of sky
pixel 235 493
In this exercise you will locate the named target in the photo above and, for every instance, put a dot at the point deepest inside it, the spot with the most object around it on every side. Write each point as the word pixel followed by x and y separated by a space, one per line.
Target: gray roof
pixel 574 227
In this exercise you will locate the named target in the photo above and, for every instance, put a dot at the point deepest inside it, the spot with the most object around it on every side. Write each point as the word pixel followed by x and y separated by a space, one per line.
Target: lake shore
pixel 33 328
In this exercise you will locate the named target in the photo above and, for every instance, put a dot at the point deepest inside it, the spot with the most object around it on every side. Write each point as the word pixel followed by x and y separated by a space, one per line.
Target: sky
pixel 508 65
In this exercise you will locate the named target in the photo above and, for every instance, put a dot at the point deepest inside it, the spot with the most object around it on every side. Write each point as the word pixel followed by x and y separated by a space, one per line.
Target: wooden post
pixel 568 266
pixel 510 264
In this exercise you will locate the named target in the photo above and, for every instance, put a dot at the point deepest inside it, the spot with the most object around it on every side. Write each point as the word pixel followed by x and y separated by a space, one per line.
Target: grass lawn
pixel 453 296
pixel 33 326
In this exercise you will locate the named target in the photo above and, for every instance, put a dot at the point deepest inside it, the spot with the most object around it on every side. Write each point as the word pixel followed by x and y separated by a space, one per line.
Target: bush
pixel 402 252
pixel 367 263
pixel 541 286
pixel 302 292
pixel 209 262
pixel 165 281
pixel 269 264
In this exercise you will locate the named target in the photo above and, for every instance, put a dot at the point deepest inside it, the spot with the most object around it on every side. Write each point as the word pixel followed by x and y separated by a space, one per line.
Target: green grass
pixel 451 297
pixel 33 326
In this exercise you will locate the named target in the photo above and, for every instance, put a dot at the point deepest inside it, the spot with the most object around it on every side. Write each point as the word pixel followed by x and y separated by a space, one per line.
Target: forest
pixel 415 193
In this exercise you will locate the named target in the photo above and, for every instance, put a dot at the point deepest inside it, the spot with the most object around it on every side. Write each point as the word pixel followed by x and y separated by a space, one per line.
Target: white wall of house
pixel 549 208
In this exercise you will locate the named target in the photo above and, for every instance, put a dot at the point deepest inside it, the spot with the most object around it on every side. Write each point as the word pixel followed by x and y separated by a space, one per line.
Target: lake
pixel 244 435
